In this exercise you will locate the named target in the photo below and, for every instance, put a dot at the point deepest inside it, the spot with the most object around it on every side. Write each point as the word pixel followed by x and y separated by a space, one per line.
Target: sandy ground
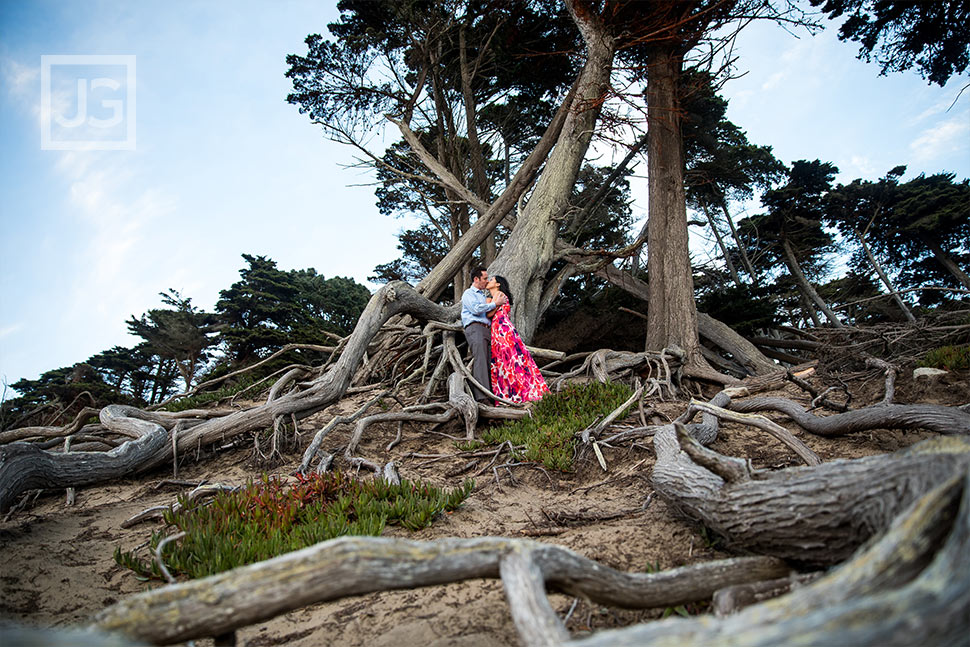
pixel 58 570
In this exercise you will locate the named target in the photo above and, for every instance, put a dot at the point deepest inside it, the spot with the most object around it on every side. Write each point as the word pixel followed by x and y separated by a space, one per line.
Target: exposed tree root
pixel 25 467
pixel 356 565
pixel 813 515
pixel 943 420
pixel 908 588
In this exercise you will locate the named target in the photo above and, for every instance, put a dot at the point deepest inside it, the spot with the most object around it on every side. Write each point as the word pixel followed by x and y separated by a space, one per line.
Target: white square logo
pixel 87 102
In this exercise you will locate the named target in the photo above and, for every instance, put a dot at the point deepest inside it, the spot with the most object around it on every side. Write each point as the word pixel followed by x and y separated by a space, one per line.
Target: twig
pixel 158 555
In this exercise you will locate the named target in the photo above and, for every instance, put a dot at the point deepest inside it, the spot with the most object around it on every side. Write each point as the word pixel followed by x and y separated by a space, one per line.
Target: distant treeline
pixel 183 345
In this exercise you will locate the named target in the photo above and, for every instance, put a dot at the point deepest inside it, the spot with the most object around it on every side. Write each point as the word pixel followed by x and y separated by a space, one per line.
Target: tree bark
pixel 526 256
pixel 804 286
pixel 883 277
pixel 815 516
pixel 25 467
pixel 908 588
pixel 672 315
pixel 356 565
pixel 931 417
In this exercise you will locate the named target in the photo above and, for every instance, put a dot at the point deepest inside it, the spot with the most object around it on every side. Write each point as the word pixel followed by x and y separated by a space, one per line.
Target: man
pixel 478 329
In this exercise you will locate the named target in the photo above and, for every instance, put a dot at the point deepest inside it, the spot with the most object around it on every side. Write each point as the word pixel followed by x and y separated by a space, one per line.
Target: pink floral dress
pixel 515 375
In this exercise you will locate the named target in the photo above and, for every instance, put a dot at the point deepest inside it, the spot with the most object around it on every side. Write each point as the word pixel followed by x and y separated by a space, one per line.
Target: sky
pixel 188 156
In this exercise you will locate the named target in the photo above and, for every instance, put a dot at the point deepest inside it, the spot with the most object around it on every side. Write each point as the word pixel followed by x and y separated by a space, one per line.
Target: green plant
pixel 265 518
pixel 196 401
pixel 548 436
pixel 949 358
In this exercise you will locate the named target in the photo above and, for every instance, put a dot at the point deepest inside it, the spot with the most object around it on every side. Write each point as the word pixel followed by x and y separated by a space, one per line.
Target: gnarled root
pixel 355 565
pixel 908 588
pixel 813 515
pixel 25 467
pixel 932 417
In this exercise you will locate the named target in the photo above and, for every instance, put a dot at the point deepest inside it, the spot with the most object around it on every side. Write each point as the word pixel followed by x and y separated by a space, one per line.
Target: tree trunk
pixel 740 349
pixel 947 262
pixel 908 588
pixel 882 276
pixel 724 250
pixel 672 315
pixel 745 260
pixel 526 256
pixel 804 286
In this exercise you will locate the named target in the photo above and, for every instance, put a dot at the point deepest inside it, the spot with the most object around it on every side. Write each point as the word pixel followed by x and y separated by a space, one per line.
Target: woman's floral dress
pixel 515 375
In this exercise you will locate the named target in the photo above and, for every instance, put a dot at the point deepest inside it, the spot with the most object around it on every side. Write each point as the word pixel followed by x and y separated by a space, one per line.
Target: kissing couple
pixel 501 362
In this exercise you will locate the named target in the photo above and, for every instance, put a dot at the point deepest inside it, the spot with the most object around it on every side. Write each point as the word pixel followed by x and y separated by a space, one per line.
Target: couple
pixel 501 360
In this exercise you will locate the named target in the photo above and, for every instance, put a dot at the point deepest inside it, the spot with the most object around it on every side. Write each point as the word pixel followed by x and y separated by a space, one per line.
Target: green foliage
pixel 264 519
pixel 548 436
pixel 269 308
pixel 949 358
pixel 745 308
pixel 206 397
pixel 932 37
pixel 181 334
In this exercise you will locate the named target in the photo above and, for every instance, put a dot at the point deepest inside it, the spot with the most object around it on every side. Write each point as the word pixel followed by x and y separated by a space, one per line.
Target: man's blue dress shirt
pixel 474 306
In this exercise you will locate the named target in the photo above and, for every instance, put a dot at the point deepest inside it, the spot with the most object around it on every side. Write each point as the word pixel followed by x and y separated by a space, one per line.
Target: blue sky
pixel 222 165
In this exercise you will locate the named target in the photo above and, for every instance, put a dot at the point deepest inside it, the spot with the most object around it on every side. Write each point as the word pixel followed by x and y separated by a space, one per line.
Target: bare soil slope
pixel 58 569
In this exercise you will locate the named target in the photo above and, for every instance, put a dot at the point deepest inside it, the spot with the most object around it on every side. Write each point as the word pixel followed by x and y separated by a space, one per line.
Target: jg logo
pixel 87 102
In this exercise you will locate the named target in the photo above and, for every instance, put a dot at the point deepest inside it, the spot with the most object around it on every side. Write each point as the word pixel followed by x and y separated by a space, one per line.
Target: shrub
pixel 196 401
pixel 548 437
pixel 264 519
pixel 950 358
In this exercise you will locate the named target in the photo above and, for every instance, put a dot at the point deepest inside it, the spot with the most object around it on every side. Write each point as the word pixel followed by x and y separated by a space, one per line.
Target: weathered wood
pixel 24 467
pixel 817 515
pixel 459 399
pixel 22 433
pixel 732 599
pixel 908 588
pixel 932 417
pixel 356 565
pixel 535 619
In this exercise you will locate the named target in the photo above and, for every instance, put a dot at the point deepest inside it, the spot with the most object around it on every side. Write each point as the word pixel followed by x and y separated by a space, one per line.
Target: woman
pixel 515 375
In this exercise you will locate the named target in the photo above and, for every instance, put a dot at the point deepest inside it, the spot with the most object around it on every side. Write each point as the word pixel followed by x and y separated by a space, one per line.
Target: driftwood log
pixel 810 515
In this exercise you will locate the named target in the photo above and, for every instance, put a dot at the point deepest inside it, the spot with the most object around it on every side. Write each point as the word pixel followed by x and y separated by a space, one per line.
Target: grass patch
pixel 948 358
pixel 264 519
pixel 548 437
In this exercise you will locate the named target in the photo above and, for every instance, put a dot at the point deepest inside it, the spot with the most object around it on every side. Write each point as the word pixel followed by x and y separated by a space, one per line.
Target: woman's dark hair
pixel 503 285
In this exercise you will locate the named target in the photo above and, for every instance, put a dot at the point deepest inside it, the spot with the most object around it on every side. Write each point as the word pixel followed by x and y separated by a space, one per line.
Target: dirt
pixel 58 567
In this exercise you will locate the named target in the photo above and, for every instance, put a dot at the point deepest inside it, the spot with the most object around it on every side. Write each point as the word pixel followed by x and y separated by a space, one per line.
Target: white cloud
pixel 21 80
pixel 6 331
pixel 943 139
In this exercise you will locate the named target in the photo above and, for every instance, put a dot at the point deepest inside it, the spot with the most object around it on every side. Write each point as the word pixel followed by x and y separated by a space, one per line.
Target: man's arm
pixel 476 306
